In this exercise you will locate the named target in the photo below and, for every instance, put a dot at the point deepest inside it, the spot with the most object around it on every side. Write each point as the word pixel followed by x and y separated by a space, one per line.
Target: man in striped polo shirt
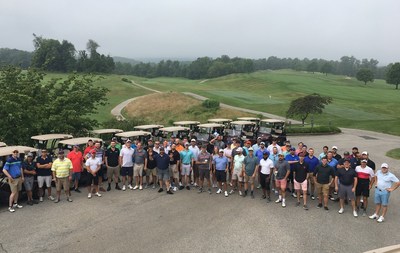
pixel 62 174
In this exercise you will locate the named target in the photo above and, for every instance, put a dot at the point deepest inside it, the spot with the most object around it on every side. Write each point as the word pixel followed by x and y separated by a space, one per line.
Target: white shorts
pixel 44 179
pixel 237 175
pixel 185 170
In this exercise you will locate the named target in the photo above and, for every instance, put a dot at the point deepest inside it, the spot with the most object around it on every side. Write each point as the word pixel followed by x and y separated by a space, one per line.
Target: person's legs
pixel 58 188
pixel 48 185
pixel 66 188
pixel 325 191
pixel 304 188
pixel 297 189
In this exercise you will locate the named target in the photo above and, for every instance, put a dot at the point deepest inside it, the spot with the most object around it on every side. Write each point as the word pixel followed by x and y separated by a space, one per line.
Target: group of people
pixel 183 164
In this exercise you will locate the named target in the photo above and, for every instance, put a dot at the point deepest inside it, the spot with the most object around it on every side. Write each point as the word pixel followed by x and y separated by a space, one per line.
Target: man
pixel 356 160
pixel 76 157
pixel 286 147
pixel 162 161
pixel 62 175
pixel 274 144
pixel 187 159
pixel 140 158
pixel 312 162
pixel 324 153
pixel 260 154
pixel 204 160
pixel 346 156
pixel 274 156
pixel 13 170
pixel 386 183
pixel 282 171
pixel 117 144
pixel 292 159
pixel 335 154
pixel 366 178
pixel 256 146
pixel 156 147
pixel 247 145
pixel 126 162
pixel 89 147
pixel 249 171
pixel 111 159
pixel 354 150
pixel 345 185
pixel 237 176
pixel 195 150
pixel 221 168
pixel 100 155
pixel 29 169
pixel 324 175
pixel 370 163
pixel 218 142
pixel 300 174
pixel 43 172
pixel 174 163
pixel 266 167
pixel 333 163
pixel 178 145
pixel 151 169
pixel 299 148
pixel 93 166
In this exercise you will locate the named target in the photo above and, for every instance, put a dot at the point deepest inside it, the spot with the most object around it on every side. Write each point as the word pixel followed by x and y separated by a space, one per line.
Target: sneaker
pixel 297 204
pixel 278 200
pixel 195 185
pixel 268 199
pixel 117 188
pixel 319 205
pixel 230 184
pixel 294 195
pixel 89 195
pixel 187 187
pixel 276 192
pixel 200 190
pixel 326 208
pixel 334 193
pixel 130 187
pixel 240 193
pixel 77 190
pixel 146 186
pixel 355 213
pixel 174 188
pixel 123 187
pixel 226 194
pixel 219 191
pixel 181 187
pixel 11 209
pixel 380 219
pixel 160 190
pixel 283 203
pixel 69 199
pixel 263 197
pixel 332 198
pixel 135 188
pixel 209 191
pixel 259 186
pixel 34 201
pixel 180 184
pixel 51 198
pixel 41 199
pixel 312 197
pixel 231 192
pixel 153 187
pixel 215 186
pixel 169 192
pixel 140 187
pixel 17 206
pixel 57 200
pixel 29 202
pixel 252 195
pixel 109 188
pixel 305 207
pixel 341 210
pixel 97 194
pixel 374 216
pixel 364 213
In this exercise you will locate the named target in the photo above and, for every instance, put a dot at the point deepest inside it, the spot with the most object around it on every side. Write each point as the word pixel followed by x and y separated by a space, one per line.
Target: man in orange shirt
pixel 76 158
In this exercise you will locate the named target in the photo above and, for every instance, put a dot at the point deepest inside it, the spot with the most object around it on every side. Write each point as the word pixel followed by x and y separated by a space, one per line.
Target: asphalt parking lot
pixel 147 221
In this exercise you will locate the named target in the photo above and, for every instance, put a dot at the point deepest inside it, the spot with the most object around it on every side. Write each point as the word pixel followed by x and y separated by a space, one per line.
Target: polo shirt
pixel 112 157
pixel 282 168
pixel 346 177
pixel 354 162
pixel 301 170
pixel 151 163
pixel 371 164
pixel 195 150
pixel 291 158
pixel 364 173
pixel 76 159
pixel 255 148
pixel 323 173
pixel 260 153
pixel 238 163
pixel 13 166
pixel 186 156
pixel 312 162
pixel 29 167
pixel 87 150
pixel 250 164
pixel 127 154
pixel 100 154
pixel 204 157
pixel 62 167
pixel 162 161
pixel 266 166
pixel 385 180
pixel 333 163
pixel 139 156
pixel 274 157
pixel 220 162
pixel 92 163
pixel 41 161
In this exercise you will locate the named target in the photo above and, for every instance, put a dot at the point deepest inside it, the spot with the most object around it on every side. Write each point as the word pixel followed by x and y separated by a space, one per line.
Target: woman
pixel 151 168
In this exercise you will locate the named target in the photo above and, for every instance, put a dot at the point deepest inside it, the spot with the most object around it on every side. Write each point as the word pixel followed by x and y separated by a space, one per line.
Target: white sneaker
pixel 140 187
pixel 41 199
pixel 283 203
pixel 89 196
pixel 294 195
pixel 240 193
pixel 130 187
pixel 97 194
pixel 381 219
pixel 154 186
pixel 180 183
pixel 278 200
pixel 195 185
pixel 341 210
pixel 219 191
pixel 136 187
pixel 17 206
pixel 232 191
pixel 355 214
pixel 11 209
pixel 226 194
pixel 123 187
pixel 374 216
pixel 174 189
pixel 51 198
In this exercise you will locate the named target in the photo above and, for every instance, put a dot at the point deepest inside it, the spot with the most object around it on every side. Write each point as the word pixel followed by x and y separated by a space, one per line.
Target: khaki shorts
pixel 15 184
pixel 138 170
pixel 248 179
pixel 322 189
pixel 112 171
pixel 173 171
pixel 151 172
pixel 62 182
pixel 237 176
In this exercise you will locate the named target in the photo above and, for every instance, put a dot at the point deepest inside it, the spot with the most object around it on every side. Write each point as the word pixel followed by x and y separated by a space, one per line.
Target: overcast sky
pixel 194 28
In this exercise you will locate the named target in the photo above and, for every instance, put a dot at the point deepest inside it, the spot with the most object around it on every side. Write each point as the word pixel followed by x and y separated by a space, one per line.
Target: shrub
pixel 125 80
pixel 210 104
pixel 313 130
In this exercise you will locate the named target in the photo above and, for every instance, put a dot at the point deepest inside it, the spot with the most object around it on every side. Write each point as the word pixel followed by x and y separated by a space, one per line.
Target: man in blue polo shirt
pixel 13 170
pixel 221 168
pixel 312 162
pixel 292 159
pixel 162 161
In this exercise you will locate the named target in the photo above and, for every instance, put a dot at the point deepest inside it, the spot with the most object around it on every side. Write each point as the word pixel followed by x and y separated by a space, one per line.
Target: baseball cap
pixel 346 153
pixel 265 152
pixel 114 138
pixel 346 160
pixel 162 149
pixel 262 143
pixel 292 149
pixel 92 151
pixel 250 149
pixel 192 140
pixel 221 150
pixel 280 154
pixel 128 140
pixel 258 138
pixel 62 152
pixel 239 149
pixel 364 161
pixel 385 165
pixel 186 144
pixel 334 147
pixel 364 153
pixel 30 154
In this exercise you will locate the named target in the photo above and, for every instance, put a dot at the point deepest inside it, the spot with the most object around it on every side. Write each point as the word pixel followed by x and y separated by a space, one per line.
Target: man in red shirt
pixel 76 158
pixel 89 147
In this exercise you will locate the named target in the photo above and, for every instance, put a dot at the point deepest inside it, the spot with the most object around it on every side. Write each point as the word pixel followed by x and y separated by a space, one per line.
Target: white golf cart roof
pixel 46 137
pixel 174 129
pixel 144 127
pixel 5 151
pixel 248 118
pixel 107 131
pixel 219 120
pixel 210 125
pixel 133 134
pixel 79 141
pixel 272 121
pixel 180 123
pixel 242 122
pixel 3 144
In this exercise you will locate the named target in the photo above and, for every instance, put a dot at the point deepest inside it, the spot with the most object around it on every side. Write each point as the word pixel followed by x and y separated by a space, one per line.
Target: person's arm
pixel 332 176
pixel 22 174
pixel 98 168
pixel 106 159
pixel 7 174
pixel 372 181
pixel 355 184
pixel 394 187
pixel 53 170
pixel 145 163
pixel 336 183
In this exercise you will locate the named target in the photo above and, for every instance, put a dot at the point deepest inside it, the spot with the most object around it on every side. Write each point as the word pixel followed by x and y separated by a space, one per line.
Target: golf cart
pixel 192 125
pixel 2 144
pixel 153 129
pixel 81 142
pixel 208 131
pixel 243 130
pixel 49 141
pixel 270 128
pixel 142 136
pixel 252 119
pixel 106 134
pixel 177 131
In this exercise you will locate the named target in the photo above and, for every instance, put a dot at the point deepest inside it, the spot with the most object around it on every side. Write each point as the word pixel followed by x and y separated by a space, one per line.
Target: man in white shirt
pixel 196 151
pixel 126 161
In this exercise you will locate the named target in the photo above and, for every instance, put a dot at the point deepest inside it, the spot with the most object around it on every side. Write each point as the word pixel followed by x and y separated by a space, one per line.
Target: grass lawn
pixel 394 153
pixel 372 107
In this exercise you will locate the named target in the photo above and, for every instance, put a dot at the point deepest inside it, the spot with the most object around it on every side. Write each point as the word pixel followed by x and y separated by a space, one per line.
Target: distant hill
pixel 125 60
pixel 149 60
pixel 15 57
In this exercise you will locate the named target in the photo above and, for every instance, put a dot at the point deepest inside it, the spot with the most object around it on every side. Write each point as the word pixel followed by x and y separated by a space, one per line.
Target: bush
pixel 125 80
pixel 210 104
pixel 313 130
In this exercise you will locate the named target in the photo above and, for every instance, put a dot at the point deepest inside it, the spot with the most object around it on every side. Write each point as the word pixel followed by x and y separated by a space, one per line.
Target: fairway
pixel 371 107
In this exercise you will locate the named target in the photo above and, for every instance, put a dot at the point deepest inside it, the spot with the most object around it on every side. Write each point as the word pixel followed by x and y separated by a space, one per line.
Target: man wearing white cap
pixel 365 180
pixel 237 175
pixel 335 154
pixel 186 162
pixel 370 163
pixel 196 151
pixel 386 182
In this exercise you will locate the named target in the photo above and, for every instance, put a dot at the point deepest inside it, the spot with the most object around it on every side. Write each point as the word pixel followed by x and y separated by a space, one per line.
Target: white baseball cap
pixel 385 165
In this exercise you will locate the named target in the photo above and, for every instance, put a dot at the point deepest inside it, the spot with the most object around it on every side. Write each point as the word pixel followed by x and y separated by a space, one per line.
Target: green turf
pixel 394 153
pixel 372 107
